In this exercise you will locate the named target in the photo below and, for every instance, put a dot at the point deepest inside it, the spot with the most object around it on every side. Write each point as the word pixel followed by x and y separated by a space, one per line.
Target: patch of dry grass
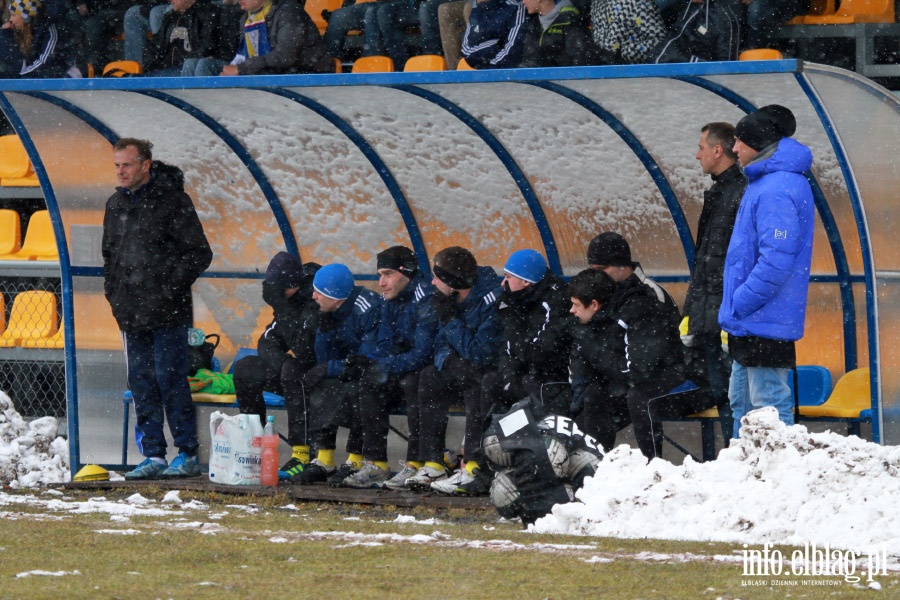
pixel 348 552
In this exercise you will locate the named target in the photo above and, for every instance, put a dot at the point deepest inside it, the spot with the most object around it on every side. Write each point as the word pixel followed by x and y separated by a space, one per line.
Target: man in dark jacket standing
pixel 700 325
pixel 767 264
pixel 154 249
pixel 288 340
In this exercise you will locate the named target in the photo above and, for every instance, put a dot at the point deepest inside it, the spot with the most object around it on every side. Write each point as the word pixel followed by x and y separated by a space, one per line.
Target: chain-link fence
pixel 32 371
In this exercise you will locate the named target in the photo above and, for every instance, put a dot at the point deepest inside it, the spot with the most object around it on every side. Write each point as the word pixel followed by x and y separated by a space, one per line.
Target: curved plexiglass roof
pixel 339 167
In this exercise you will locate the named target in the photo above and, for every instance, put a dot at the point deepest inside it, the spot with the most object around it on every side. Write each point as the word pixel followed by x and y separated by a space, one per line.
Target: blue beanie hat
pixel 526 264
pixel 334 281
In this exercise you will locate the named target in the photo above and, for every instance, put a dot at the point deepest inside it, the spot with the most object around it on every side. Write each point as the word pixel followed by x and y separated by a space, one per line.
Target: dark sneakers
pixel 292 467
pixel 341 473
pixel 313 473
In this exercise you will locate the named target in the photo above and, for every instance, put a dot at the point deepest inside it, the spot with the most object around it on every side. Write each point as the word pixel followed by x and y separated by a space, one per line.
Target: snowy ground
pixel 778 485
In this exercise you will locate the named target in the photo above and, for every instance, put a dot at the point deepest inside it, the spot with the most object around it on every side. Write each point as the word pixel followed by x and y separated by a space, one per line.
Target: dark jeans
pixel 647 411
pixel 157 377
pixel 459 381
pixel 392 20
pixel 355 16
pixel 604 415
pixel 252 378
pixel 431 31
pixel 718 371
pixel 376 401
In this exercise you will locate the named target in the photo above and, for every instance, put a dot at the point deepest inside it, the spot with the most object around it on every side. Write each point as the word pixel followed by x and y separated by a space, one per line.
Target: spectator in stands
pixel 139 20
pixel 430 26
pixel 189 30
pixel 406 334
pixel 286 347
pixel 706 30
pixel 350 17
pixel 495 35
pixel 466 348
pixel 392 19
pixel 31 44
pixel 153 250
pixel 768 262
pixel 100 20
pixel 627 29
pixel 557 36
pixel 700 325
pixel 228 39
pixel 277 37
pixel 764 17
pixel 348 327
pixel 450 23
pixel 533 361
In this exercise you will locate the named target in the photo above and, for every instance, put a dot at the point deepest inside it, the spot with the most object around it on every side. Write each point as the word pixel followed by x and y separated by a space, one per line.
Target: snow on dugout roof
pixel 338 167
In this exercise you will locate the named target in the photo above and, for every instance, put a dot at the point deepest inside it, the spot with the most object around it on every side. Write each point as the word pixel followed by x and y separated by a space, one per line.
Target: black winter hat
pixel 456 267
pixel 766 126
pixel 285 271
pixel 398 258
pixel 610 250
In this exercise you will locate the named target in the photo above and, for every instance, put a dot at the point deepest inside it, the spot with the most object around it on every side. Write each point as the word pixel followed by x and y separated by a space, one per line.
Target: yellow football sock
pixel 356 459
pixel 301 453
pixel 326 457
pixel 435 465
pixel 415 464
pixel 381 464
pixel 471 466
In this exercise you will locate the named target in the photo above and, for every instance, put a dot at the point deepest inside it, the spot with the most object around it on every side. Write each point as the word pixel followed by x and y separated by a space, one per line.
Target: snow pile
pixel 776 484
pixel 31 454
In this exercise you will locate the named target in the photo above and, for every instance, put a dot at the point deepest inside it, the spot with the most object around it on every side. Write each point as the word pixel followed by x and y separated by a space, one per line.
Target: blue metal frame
pixel 412 227
pixel 865 246
pixel 262 181
pixel 68 319
pixel 506 159
pixel 635 145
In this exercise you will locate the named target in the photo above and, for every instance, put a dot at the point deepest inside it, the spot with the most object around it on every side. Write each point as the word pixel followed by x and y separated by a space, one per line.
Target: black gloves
pixel 445 307
pixel 315 376
pixel 354 367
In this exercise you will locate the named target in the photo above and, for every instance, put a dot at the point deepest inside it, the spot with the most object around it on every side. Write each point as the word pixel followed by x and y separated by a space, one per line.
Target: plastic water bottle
pixel 269 459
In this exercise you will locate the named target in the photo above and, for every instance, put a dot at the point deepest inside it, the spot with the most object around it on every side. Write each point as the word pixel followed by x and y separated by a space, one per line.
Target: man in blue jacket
pixel 348 326
pixel 466 347
pixel 405 346
pixel 495 36
pixel 767 264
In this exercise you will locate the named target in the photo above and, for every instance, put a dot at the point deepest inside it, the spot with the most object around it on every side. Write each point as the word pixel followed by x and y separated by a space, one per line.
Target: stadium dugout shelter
pixel 337 167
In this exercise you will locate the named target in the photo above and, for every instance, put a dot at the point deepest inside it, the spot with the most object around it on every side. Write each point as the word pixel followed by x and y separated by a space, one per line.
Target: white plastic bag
pixel 236 448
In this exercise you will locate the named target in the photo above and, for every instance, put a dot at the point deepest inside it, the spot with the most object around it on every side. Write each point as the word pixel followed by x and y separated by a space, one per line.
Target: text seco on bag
pixel 235 449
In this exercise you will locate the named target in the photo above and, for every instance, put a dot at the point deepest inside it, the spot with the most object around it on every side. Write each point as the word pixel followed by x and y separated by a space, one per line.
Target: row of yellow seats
pixel 40 244
pixel 826 12
pixel 33 321
pixel 425 62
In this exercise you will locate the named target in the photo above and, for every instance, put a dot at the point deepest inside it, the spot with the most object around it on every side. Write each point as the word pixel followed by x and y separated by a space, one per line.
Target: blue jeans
pixel 355 16
pixel 756 387
pixel 137 26
pixel 202 67
pixel 431 31
pixel 392 20
pixel 157 376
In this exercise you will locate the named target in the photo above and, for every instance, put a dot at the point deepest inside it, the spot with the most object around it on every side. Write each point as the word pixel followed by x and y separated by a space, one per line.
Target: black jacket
pixel 293 329
pixel 706 31
pixel 566 43
pixel 153 250
pixel 597 357
pixel 536 332
pixel 191 34
pixel 653 348
pixel 720 206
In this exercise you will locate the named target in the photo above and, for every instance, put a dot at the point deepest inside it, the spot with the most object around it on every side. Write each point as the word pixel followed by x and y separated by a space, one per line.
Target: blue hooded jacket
pixel 407 329
pixel 474 334
pixel 768 260
pixel 355 331
pixel 495 37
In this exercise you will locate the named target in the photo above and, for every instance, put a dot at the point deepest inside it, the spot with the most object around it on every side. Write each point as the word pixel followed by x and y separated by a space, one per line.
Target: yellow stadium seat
pixel 40 244
pixel 426 62
pixel 314 9
pixel 14 162
pixel 816 8
pixel 851 395
pixel 10 231
pixel 856 11
pixel 33 316
pixel 709 413
pixel 54 341
pixel 373 64
pixel 761 54
pixel 2 314
pixel 117 68
pixel 464 66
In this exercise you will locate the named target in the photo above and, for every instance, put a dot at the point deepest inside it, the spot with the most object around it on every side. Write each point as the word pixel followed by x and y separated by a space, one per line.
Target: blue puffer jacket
pixel 407 329
pixel 355 331
pixel 768 259
pixel 475 333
